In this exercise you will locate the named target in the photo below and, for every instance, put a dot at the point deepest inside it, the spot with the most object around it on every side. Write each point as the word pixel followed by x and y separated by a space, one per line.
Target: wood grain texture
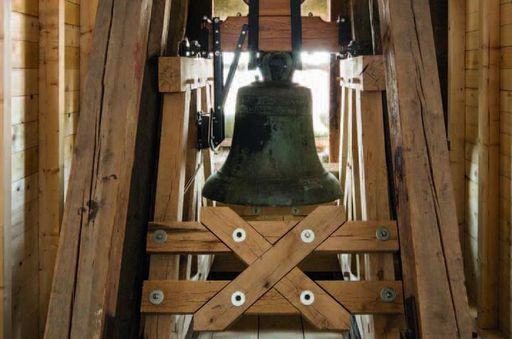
pixel 352 237
pixel 269 269
pixel 88 294
pixel 488 163
pixel 5 169
pixel 51 151
pixel 275 34
pixel 186 297
pixel 424 191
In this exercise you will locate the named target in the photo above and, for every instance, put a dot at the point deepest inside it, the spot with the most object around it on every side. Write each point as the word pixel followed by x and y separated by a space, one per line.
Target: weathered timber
pixel 186 297
pixel 352 237
pixel 430 247
pixel 275 33
pixel 489 164
pixel 94 292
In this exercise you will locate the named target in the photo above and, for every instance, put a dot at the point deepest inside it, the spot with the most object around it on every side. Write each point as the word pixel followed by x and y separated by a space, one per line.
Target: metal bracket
pixel 296 32
pixel 217 118
pixel 203 130
pixel 254 33
pixel 221 90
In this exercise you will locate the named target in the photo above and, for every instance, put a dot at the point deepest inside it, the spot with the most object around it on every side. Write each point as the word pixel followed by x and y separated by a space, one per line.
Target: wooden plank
pixel 87 20
pixel 5 170
pixel 352 237
pixel 488 163
pixel 51 151
pixel 91 295
pixel 374 191
pixel 275 34
pixel 363 73
pixel 186 297
pixel 169 193
pixel 269 269
pixel 224 222
pixel 177 74
pixel 456 105
pixel 430 247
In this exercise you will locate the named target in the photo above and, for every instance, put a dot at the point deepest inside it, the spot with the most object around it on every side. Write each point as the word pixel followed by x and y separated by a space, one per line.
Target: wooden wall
pixel 483 28
pixel 45 48
pixel 24 251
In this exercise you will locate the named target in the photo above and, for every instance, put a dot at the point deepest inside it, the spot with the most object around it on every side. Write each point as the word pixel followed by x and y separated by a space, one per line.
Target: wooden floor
pixel 254 327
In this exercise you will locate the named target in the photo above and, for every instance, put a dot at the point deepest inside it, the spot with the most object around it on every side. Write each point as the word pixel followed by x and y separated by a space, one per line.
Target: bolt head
pixel 156 297
pixel 388 295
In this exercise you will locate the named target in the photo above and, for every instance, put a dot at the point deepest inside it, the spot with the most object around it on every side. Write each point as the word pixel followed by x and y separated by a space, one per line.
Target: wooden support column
pixel 431 256
pixel 5 168
pixel 100 264
pixel 457 106
pixel 87 19
pixel 51 151
pixel 488 163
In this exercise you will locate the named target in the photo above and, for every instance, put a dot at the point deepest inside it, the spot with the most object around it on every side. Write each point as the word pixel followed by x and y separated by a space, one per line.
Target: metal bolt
pixel 239 235
pixel 383 234
pixel 307 298
pixel 256 210
pixel 216 20
pixel 307 236
pixel 238 298
pixel 156 297
pixel 295 210
pixel 159 237
pixel 217 53
pixel 387 295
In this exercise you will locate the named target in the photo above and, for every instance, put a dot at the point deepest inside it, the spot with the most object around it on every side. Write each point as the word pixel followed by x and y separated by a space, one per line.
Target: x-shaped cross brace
pixel 273 267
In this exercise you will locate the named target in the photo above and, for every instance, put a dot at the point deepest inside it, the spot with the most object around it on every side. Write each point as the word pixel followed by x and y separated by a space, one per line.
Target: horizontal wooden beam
pixel 177 74
pixel 186 297
pixel 275 34
pixel 363 73
pixel 193 237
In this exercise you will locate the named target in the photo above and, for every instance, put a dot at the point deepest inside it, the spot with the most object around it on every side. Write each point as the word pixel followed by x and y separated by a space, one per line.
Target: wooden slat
pixel 275 33
pixel 269 269
pixel 429 238
pixel 456 104
pixel 177 74
pixel 5 170
pixel 223 222
pixel 87 20
pixel 51 151
pixel 374 191
pixel 110 176
pixel 186 297
pixel 488 163
pixel 352 237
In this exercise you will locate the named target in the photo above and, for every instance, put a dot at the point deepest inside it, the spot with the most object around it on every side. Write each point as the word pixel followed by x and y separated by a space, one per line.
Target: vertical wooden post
pixel 169 197
pixel 488 163
pixel 87 19
pixel 51 119
pixel 457 105
pixel 5 168
pixel 430 247
pixel 374 193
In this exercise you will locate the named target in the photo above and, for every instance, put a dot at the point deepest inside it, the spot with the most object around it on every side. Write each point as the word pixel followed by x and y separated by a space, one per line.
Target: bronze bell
pixel 273 159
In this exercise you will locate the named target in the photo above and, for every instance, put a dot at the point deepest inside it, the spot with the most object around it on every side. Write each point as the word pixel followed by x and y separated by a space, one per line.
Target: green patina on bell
pixel 273 159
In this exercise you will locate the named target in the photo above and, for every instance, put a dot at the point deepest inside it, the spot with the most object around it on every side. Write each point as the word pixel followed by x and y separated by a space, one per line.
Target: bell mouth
pixel 271 192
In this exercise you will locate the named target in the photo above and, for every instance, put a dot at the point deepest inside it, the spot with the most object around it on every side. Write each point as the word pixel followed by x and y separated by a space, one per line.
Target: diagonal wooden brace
pixel 273 266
